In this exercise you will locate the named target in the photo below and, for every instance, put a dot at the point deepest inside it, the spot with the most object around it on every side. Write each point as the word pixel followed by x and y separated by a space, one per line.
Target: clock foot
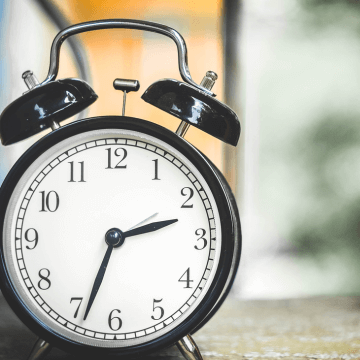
pixel 188 348
pixel 40 350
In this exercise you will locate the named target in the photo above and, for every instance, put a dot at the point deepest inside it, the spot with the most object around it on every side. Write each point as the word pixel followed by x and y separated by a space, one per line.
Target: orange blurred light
pixel 132 54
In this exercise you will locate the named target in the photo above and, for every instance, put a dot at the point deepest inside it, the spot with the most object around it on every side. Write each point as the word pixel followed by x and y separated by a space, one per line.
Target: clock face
pixel 54 238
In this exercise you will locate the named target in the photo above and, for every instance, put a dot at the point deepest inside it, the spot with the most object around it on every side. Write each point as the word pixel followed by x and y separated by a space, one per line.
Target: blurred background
pixel 289 68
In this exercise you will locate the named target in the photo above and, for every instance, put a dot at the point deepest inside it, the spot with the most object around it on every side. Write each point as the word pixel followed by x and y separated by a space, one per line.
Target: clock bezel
pixel 227 225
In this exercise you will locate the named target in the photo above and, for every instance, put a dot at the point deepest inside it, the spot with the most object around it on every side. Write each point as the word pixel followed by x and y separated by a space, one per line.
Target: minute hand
pixel 149 228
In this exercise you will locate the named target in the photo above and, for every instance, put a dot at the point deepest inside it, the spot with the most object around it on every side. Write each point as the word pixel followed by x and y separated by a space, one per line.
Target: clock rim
pixel 218 288
pixel 237 248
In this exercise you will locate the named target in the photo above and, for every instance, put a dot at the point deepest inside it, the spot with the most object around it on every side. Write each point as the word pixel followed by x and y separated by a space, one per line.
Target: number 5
pixel 157 307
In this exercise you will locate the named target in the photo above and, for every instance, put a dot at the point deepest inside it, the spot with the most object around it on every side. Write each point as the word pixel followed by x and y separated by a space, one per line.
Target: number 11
pixel 72 172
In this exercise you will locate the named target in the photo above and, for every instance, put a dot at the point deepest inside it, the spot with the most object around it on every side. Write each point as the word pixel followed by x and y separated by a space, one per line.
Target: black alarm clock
pixel 117 236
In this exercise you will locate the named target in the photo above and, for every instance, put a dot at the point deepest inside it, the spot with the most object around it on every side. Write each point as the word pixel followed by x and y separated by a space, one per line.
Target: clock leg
pixel 188 348
pixel 40 350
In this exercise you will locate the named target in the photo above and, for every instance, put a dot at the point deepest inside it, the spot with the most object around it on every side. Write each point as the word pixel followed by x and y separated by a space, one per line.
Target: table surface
pixel 314 328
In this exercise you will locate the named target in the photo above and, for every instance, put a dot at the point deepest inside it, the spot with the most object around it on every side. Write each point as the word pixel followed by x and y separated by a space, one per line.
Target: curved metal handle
pixel 121 24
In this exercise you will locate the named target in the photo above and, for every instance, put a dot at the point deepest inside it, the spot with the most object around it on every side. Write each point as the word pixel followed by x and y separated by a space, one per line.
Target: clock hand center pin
pixel 114 237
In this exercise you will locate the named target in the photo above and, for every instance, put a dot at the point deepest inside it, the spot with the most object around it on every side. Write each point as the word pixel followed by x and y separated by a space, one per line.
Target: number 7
pixel 77 310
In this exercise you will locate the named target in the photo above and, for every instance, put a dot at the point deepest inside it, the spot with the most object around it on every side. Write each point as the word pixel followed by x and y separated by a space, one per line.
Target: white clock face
pixel 54 237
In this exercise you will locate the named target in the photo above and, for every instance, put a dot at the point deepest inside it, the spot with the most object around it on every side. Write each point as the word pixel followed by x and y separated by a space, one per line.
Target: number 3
pixel 201 232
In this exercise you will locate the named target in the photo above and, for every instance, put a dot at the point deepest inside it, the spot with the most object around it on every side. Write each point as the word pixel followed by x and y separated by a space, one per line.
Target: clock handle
pixel 122 24
pixel 40 350
pixel 188 348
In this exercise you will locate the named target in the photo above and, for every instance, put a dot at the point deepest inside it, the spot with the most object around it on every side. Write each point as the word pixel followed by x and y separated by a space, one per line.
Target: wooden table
pixel 315 328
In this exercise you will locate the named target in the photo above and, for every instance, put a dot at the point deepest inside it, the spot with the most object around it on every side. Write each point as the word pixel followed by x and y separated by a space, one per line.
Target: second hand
pixel 150 217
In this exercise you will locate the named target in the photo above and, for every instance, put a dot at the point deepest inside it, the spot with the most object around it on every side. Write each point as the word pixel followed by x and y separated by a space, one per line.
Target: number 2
pixel 190 194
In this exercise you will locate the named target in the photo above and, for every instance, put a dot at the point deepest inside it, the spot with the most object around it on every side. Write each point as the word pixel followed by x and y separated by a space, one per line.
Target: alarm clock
pixel 117 236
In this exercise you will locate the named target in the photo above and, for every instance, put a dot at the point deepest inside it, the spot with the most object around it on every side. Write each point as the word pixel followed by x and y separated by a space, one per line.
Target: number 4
pixel 187 279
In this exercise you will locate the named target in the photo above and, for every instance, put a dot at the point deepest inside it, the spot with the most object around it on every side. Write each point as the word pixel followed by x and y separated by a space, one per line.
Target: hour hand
pixel 149 227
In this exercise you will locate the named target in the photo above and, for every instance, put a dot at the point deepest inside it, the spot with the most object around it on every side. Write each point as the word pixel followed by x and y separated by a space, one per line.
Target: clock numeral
pixel 201 232
pixel 72 172
pixel 187 280
pixel 156 169
pixel 187 191
pixel 157 307
pixel 77 309
pixel 35 237
pixel 115 322
pixel 49 202
pixel 44 283
pixel 118 152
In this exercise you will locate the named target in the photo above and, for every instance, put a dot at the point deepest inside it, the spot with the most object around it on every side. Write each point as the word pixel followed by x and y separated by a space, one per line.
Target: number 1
pixel 156 170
